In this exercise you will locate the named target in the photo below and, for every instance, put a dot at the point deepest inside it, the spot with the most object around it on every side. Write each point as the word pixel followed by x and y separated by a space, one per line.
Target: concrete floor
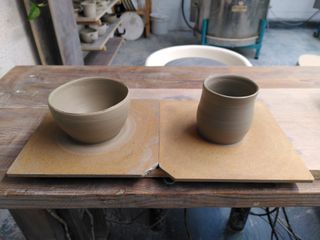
pixel 280 47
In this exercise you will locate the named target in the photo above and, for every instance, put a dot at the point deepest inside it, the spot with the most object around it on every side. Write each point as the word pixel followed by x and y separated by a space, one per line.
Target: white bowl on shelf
pixel 102 29
pixel 88 35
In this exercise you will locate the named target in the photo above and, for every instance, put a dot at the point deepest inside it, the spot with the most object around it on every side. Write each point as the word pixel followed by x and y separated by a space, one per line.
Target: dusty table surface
pixel 23 99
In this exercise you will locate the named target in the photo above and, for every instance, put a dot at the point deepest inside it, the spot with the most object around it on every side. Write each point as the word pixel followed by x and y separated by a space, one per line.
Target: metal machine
pixel 230 23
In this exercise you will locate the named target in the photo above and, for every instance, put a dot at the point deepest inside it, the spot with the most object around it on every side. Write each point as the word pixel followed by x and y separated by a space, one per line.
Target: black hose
pixel 184 16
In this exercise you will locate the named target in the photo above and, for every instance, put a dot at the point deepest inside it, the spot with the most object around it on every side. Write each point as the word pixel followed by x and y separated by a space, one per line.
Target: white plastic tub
pixel 159 23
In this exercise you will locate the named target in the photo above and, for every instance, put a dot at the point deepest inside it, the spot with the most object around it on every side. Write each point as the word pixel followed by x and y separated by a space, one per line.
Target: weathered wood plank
pixel 25 89
pixel 30 86
pixel 44 36
pixel 150 193
pixel 160 77
pixel 104 58
pixel 66 31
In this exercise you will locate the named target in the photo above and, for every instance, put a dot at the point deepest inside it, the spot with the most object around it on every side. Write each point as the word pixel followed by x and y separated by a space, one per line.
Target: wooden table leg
pixel 238 218
pixel 147 11
pixel 38 224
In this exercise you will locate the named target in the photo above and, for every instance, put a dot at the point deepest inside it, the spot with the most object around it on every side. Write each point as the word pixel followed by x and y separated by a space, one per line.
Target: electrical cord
pixel 273 217
pixel 285 227
pixel 160 220
pixel 262 214
pixel 131 221
pixel 275 220
pixel 87 211
pixel 266 221
pixel 273 231
pixel 184 15
pixel 289 225
pixel 60 220
pixel 185 214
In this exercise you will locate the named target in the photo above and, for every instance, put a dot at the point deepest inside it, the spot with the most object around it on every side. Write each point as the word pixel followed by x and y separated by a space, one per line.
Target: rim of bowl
pixel 90 113
pixel 231 76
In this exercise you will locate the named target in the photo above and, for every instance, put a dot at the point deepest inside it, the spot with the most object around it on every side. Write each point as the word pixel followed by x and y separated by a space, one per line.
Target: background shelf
pixel 99 45
pixel 100 13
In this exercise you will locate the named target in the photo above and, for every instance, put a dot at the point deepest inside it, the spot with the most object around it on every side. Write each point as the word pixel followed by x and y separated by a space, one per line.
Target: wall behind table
pixel 15 39
pixel 292 10
pixel 172 8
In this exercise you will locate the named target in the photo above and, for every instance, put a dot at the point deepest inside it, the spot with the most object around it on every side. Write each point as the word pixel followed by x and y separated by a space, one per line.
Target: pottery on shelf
pixel 102 29
pixel 226 108
pixel 110 18
pixel 88 35
pixel 89 9
pixel 102 4
pixel 90 110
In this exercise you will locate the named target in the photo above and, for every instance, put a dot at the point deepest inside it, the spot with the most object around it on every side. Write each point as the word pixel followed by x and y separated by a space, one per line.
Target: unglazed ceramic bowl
pixel 226 108
pixel 90 110
pixel 102 29
pixel 88 35
pixel 110 18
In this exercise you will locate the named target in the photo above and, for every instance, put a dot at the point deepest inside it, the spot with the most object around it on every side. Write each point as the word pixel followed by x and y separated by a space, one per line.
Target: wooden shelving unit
pixel 104 58
pixel 100 13
pixel 100 44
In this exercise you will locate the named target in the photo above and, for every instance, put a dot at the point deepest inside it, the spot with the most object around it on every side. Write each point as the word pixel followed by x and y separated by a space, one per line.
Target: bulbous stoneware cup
pixel 90 110
pixel 226 108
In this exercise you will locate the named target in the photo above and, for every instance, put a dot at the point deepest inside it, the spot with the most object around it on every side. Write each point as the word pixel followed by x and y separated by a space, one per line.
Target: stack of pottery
pixel 92 32
pixel 90 7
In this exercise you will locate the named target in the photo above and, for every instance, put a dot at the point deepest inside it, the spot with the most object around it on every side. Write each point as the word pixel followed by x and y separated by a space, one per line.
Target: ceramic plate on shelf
pixel 135 5
pixel 131 5
pixel 125 4
pixel 131 25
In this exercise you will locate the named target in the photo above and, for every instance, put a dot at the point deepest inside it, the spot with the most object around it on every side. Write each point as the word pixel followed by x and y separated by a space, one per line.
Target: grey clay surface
pixel 90 110
pixel 226 108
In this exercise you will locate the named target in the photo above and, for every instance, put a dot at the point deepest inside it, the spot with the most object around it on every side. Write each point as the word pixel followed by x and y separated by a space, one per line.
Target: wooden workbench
pixel 23 102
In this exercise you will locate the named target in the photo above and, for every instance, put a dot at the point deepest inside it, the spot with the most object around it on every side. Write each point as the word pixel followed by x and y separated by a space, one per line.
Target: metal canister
pixel 232 23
